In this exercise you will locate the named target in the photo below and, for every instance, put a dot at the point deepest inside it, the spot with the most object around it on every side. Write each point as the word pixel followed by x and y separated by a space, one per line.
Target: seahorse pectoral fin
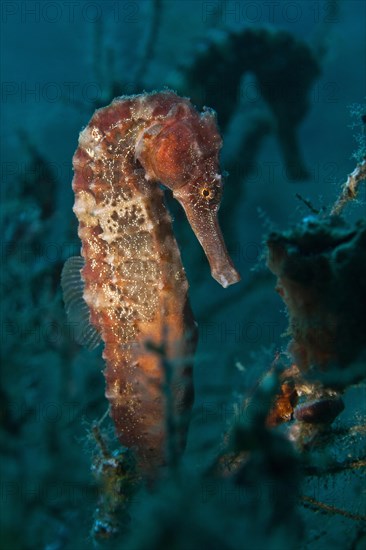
pixel 76 308
pixel 206 227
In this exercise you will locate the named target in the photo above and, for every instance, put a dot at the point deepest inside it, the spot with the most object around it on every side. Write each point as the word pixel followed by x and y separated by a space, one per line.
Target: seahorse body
pixel 134 281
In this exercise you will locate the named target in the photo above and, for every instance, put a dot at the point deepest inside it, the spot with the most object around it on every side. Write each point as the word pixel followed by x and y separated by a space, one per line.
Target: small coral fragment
pixel 322 411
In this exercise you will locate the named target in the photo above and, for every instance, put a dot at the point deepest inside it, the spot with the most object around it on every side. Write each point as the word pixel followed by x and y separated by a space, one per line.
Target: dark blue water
pixel 289 107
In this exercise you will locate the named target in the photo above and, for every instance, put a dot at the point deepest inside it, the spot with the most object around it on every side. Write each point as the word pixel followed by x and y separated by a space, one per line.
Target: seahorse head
pixel 181 151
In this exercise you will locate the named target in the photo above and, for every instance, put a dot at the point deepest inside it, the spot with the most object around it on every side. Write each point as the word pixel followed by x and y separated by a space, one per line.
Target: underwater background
pixel 288 83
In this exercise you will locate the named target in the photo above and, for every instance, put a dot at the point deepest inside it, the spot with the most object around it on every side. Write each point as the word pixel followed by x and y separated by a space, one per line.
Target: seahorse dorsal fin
pixel 77 309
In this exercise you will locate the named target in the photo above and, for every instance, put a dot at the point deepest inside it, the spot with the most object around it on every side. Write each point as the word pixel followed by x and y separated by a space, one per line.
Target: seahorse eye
pixel 209 192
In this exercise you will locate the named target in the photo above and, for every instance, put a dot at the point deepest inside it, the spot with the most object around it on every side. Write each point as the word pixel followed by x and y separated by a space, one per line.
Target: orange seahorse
pixel 132 280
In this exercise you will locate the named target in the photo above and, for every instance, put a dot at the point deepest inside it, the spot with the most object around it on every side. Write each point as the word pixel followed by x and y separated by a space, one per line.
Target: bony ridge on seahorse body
pixel 133 286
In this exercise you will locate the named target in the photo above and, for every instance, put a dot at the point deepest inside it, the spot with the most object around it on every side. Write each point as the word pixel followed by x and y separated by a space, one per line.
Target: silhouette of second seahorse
pixel 133 281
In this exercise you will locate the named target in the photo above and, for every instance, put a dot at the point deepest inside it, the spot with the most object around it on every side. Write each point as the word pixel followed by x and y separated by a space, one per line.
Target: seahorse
pixel 133 286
